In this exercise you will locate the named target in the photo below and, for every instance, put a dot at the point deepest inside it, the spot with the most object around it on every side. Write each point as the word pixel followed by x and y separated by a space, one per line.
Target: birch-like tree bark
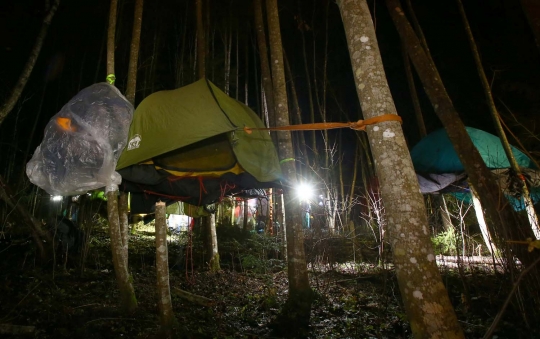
pixel 425 298
pixel 298 307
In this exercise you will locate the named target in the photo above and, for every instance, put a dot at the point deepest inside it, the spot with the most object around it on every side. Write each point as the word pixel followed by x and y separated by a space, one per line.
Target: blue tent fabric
pixel 435 153
pixel 434 158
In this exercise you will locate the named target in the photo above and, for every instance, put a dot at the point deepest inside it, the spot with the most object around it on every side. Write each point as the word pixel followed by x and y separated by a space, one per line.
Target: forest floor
pixel 352 300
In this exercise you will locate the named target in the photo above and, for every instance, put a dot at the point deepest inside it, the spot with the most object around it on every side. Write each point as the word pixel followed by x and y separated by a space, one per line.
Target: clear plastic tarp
pixel 82 143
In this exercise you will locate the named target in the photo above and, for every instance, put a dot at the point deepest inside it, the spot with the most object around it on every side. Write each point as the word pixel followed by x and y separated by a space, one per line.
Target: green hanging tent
pixel 189 145
pixel 439 169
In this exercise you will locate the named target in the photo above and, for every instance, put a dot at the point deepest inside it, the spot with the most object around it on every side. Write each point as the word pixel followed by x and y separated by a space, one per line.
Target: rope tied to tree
pixel 359 125
pixel 111 78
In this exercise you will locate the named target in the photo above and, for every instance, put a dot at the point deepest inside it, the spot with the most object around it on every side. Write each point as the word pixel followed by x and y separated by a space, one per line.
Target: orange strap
pixel 359 125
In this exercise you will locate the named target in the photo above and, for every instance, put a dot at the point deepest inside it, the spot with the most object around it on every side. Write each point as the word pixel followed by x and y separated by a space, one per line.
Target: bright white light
pixel 304 191
pixel 57 198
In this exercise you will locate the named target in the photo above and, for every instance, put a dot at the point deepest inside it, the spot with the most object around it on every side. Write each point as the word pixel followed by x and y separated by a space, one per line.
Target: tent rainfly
pixel 189 145
pixel 439 169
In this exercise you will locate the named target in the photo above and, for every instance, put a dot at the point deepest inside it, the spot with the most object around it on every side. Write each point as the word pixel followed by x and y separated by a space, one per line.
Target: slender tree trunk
pixel 482 222
pixel 531 8
pixel 128 301
pixel 245 226
pixel 424 296
pixel 131 88
pixel 8 105
pixel 488 191
pixel 111 33
pixel 213 262
pixel 201 43
pixel 298 307
pixel 266 75
pixel 297 110
pixel 166 314
pixel 529 206
pixel 123 219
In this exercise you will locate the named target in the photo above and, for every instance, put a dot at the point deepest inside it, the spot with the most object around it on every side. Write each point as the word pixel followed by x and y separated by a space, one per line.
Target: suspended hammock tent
pixel 439 169
pixel 189 145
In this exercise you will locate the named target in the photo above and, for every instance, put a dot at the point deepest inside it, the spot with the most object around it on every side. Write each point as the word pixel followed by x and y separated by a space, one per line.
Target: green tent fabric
pixel 435 153
pixel 166 123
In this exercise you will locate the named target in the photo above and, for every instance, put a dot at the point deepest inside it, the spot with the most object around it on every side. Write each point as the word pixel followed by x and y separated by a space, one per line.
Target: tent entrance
pixel 209 157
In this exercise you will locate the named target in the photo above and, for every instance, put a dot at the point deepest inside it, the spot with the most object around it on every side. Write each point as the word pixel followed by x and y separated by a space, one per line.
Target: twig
pixel 15 329
pixel 507 301
pixel 194 298
pixel 27 294
pixel 99 319
pixel 86 305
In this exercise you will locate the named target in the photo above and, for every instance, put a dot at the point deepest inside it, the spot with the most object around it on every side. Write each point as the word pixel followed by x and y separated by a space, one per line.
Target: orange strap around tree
pixel 359 125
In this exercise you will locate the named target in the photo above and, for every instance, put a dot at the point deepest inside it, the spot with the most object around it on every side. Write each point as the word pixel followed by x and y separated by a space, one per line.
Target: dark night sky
pixel 74 52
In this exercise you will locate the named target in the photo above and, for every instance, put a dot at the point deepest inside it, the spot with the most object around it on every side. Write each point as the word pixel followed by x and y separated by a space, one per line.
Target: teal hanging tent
pixel 439 169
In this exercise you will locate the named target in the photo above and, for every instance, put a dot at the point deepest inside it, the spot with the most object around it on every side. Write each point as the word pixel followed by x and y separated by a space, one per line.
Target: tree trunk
pixel 531 8
pixel 266 75
pixel 503 223
pixel 479 211
pixel 201 43
pixel 298 307
pixel 166 314
pixel 424 296
pixel 128 301
pixel 246 211
pixel 134 52
pixel 529 206
pixel 124 224
pixel 8 105
pixel 212 250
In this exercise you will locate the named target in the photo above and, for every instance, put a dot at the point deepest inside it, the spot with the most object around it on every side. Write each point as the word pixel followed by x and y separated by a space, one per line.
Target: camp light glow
pixel 56 198
pixel 304 191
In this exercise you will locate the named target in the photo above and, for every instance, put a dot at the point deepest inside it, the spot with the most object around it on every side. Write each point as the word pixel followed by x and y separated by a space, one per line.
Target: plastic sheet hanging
pixel 82 143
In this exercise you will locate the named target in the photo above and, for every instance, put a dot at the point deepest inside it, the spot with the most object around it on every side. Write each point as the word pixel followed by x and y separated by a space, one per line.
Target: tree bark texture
pixel 124 224
pixel 300 294
pixel 525 195
pixel 166 314
pixel 29 66
pixel 111 33
pixel 212 250
pixel 134 52
pixel 424 296
pixel 502 221
pixel 266 75
pixel 128 301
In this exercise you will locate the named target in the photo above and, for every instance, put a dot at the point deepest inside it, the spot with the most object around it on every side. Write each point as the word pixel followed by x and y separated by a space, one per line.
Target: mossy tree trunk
pixel 298 307
pixel 424 296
